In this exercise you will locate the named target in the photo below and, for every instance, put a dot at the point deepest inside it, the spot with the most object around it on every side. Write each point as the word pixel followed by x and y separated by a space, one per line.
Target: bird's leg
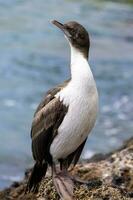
pixel 64 166
pixel 63 184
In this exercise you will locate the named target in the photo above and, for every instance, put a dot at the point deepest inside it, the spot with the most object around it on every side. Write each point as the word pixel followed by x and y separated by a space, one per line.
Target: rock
pixel 110 177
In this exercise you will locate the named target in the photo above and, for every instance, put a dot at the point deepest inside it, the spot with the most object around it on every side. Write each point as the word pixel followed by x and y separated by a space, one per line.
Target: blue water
pixel 34 56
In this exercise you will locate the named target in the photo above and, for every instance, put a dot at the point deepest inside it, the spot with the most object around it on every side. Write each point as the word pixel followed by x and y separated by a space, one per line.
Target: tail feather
pixel 38 172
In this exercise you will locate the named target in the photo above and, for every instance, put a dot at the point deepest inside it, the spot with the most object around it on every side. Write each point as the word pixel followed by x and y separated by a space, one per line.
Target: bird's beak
pixel 62 27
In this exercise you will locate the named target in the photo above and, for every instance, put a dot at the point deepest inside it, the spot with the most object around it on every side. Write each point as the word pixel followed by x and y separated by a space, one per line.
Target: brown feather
pixel 46 121
pixel 50 95
pixel 72 158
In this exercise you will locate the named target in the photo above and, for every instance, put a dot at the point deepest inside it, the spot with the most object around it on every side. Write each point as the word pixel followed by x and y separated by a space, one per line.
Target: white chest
pixel 79 120
pixel 81 97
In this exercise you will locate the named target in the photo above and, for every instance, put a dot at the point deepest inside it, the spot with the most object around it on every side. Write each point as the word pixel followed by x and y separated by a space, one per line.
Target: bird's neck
pixel 80 69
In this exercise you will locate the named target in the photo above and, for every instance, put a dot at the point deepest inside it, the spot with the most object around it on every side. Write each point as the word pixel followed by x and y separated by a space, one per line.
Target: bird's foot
pixel 64 185
pixel 78 180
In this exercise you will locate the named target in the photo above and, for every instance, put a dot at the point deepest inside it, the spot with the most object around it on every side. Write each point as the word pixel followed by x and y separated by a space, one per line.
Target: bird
pixel 65 116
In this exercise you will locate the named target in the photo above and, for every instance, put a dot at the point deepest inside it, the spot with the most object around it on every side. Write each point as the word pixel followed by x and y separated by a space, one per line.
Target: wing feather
pixel 44 128
pixel 50 95
pixel 74 157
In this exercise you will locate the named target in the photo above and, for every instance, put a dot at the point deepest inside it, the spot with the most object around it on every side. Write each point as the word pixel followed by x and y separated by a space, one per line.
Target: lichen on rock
pixel 109 177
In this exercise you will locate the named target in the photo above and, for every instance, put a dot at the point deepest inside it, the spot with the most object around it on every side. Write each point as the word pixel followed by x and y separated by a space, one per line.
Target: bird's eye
pixel 73 32
pixel 81 36
pixel 69 29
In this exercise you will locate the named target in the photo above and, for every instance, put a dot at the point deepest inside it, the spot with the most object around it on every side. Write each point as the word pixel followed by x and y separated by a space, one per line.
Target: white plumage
pixel 81 97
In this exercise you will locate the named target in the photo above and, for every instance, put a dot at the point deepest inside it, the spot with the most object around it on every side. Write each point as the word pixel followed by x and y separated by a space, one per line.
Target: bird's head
pixel 76 34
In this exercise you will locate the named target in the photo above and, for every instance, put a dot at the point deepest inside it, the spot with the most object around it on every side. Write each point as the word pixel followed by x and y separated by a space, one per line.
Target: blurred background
pixel 34 56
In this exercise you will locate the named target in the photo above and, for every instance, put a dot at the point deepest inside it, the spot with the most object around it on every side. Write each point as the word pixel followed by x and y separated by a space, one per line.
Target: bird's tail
pixel 38 172
pixel 64 185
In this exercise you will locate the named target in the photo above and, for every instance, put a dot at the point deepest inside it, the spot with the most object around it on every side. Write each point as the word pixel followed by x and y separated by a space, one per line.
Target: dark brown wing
pixel 47 119
pixel 50 95
pixel 74 157
pixel 78 153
